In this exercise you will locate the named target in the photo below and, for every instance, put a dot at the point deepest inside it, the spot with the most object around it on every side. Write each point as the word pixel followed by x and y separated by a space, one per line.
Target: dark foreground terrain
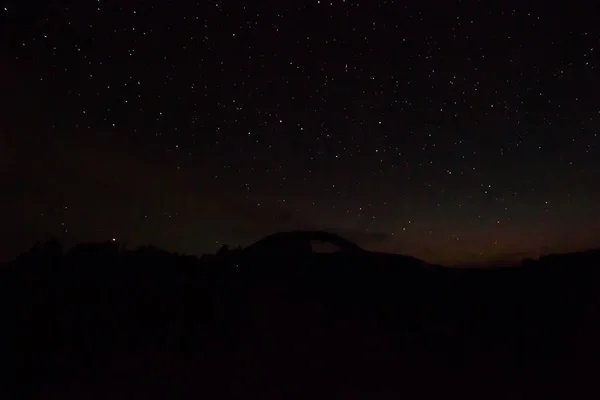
pixel 101 322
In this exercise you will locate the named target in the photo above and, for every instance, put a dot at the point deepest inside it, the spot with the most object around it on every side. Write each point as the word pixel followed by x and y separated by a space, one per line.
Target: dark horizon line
pixel 124 246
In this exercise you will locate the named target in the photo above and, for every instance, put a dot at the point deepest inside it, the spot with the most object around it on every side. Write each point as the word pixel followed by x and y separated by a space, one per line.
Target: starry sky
pixel 454 131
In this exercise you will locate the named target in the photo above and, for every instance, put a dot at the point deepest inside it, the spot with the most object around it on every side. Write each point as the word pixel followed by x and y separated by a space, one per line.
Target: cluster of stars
pixel 362 116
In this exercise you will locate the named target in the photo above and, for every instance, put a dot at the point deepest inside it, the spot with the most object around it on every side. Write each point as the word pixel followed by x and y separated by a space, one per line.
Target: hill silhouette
pixel 281 316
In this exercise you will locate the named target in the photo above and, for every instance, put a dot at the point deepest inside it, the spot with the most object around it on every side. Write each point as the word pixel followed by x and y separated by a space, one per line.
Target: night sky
pixel 451 131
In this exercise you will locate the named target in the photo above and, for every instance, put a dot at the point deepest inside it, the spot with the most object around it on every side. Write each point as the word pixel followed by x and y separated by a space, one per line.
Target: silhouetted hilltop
pixel 260 317
pixel 588 257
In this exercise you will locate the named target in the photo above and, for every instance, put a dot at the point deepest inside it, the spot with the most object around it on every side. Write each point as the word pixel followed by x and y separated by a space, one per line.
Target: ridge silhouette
pixel 277 315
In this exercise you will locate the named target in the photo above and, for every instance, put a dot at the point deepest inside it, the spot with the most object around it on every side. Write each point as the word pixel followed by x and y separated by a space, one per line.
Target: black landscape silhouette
pixel 280 317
